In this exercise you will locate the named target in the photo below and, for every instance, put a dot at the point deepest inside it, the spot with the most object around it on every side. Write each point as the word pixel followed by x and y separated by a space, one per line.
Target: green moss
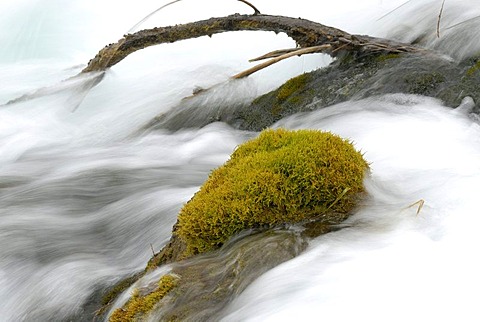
pixel 292 92
pixel 139 305
pixel 382 58
pixel 474 69
pixel 293 85
pixel 278 178
pixel 118 288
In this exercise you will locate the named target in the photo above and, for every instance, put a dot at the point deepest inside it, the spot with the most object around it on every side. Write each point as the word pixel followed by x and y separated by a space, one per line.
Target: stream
pixel 85 195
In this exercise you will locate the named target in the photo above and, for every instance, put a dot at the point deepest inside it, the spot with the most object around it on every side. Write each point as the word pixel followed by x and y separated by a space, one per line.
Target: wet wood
pixel 306 33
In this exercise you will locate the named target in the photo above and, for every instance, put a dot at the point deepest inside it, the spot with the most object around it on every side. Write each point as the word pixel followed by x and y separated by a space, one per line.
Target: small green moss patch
pixel 281 177
pixel 118 288
pixel 139 305
pixel 291 86
pixel 385 57
pixel 474 69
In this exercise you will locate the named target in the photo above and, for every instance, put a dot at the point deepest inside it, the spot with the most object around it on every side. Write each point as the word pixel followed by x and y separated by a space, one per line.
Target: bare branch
pixel 273 54
pixel 298 52
pixel 305 33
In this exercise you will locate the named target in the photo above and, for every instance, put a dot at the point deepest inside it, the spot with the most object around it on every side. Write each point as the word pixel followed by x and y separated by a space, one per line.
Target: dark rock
pixel 343 80
pixel 348 78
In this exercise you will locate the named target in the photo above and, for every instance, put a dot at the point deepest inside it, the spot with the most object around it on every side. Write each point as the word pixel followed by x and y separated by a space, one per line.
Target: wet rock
pixel 422 74
pixel 347 78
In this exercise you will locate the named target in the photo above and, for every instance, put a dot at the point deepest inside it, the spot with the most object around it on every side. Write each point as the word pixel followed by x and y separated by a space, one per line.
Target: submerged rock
pixel 343 80
pixel 199 289
pixel 207 283
pixel 347 78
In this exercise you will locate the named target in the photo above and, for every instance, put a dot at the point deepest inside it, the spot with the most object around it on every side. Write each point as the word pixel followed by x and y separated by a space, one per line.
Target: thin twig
pixel 273 54
pixel 388 13
pixel 439 18
pixel 257 12
pixel 134 28
pixel 461 23
pixel 151 247
pixel 420 204
pixel 299 52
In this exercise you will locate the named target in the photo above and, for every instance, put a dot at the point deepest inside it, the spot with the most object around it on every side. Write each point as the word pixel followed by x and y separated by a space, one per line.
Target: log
pixel 305 33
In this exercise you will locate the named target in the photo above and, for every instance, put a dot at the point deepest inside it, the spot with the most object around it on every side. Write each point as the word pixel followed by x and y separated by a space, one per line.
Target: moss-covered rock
pixel 353 78
pixel 208 282
pixel 281 177
pixel 348 78
pixel 198 289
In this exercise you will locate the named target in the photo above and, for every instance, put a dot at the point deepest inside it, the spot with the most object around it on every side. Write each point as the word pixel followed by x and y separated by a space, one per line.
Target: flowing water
pixel 85 195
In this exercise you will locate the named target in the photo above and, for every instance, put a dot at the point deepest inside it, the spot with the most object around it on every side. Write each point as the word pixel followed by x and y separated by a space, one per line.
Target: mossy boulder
pixel 281 177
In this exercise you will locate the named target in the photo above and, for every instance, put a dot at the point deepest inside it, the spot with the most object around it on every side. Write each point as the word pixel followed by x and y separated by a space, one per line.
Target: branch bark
pixel 305 33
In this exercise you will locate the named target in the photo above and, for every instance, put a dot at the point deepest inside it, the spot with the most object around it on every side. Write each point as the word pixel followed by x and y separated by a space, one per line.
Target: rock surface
pixel 345 79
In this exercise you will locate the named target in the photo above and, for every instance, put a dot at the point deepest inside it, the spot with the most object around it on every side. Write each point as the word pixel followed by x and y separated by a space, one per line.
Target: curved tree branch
pixel 305 33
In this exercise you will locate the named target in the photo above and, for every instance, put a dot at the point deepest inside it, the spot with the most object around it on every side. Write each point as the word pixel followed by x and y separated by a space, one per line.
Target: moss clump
pixel 139 305
pixel 281 177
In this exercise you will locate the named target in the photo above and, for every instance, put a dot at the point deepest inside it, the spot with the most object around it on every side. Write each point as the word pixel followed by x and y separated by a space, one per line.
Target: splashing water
pixel 390 262
pixel 83 195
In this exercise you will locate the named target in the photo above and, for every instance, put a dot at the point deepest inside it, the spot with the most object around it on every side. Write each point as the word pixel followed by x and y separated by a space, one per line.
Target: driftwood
pixel 310 37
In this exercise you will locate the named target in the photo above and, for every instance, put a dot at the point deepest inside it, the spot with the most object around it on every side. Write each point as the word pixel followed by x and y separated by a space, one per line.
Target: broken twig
pixel 273 54
pixel 298 52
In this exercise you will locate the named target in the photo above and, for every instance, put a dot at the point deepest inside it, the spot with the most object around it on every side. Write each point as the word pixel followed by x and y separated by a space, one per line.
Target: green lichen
pixel 140 305
pixel 281 177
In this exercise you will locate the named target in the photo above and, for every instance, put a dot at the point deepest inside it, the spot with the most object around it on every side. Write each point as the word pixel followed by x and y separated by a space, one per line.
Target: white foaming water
pixel 389 263
pixel 418 22
pixel 82 196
